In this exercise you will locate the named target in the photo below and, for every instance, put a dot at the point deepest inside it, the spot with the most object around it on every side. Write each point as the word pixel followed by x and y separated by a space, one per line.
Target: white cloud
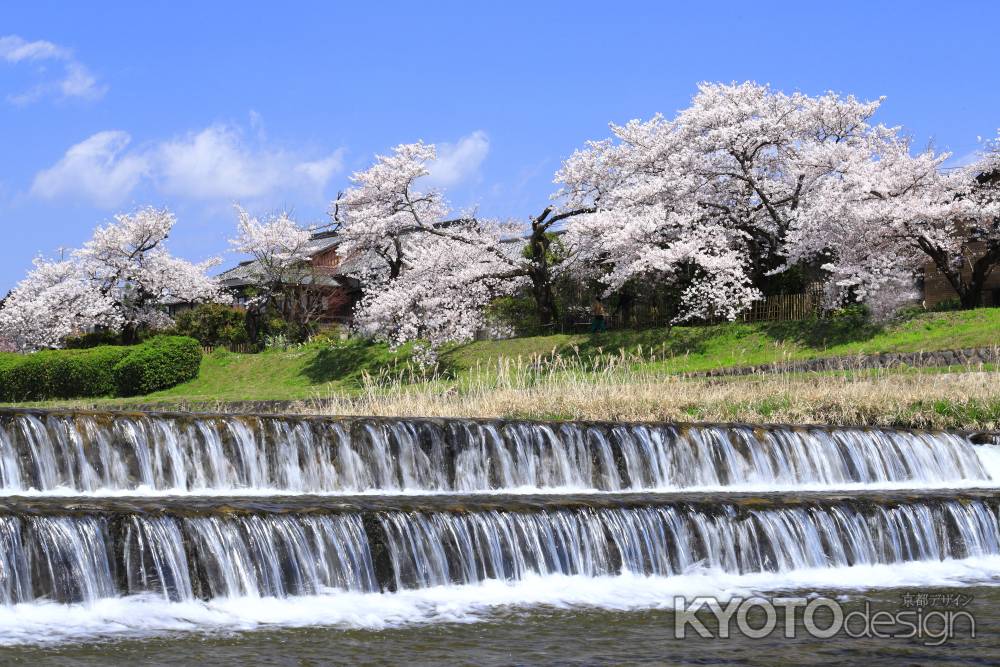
pixel 14 49
pixel 321 171
pixel 459 161
pixel 216 163
pixel 98 169
pixel 77 80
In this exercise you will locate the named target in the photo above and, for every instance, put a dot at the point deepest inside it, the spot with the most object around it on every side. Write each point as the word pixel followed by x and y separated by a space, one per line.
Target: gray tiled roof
pixel 320 242
pixel 245 272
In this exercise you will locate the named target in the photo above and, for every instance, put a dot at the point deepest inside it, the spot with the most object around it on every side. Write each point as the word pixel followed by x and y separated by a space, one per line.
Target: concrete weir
pixel 119 451
pixel 204 506
pixel 236 505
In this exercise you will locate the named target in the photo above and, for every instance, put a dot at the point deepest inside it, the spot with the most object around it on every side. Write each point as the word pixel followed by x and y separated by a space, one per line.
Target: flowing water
pixel 124 531
pixel 100 453
pixel 531 636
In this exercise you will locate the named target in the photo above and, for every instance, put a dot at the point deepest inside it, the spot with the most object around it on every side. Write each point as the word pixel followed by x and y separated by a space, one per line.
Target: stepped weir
pixel 95 452
pixel 186 508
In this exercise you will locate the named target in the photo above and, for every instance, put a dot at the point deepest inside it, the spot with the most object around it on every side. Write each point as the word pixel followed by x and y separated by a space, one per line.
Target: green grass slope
pixel 317 370
pixel 738 344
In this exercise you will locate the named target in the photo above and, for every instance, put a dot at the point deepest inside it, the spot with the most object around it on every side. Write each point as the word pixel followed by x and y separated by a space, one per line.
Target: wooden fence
pixel 782 307
pixel 242 348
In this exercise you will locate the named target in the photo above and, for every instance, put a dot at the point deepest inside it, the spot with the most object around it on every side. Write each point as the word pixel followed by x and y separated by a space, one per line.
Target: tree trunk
pixel 981 270
pixel 971 297
pixel 540 271
pixel 626 303
pixel 252 320
pixel 396 261
pixel 545 302
pixel 541 275
pixel 969 291
pixel 130 334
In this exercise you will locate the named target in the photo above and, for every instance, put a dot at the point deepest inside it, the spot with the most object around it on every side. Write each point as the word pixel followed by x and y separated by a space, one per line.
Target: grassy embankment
pixel 633 375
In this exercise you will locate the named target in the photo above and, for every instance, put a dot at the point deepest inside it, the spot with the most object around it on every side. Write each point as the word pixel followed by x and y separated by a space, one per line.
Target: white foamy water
pixel 146 616
pixel 130 452
pixel 988 457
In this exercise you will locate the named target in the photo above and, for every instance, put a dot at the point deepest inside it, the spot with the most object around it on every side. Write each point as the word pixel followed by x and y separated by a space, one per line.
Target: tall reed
pixel 635 386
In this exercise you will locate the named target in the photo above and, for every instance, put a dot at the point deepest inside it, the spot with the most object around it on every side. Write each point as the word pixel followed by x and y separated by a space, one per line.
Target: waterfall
pixel 83 559
pixel 168 452
pixel 15 579
pixel 440 549
pixel 154 558
pixel 71 558
pixel 189 520
pixel 279 556
pixel 86 558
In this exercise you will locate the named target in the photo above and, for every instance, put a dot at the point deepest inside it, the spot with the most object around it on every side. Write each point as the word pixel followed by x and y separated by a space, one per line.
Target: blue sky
pixel 193 106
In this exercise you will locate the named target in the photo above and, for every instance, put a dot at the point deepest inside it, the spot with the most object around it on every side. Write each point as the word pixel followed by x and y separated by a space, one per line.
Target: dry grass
pixel 638 387
pixel 629 387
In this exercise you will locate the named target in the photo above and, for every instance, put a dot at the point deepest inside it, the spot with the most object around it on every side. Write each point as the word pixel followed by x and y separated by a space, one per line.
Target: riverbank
pixel 951 398
pixel 947 400
pixel 650 375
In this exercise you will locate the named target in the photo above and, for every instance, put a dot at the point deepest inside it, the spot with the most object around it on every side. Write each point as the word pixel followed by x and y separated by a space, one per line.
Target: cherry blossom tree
pixel 888 213
pixel 381 215
pixel 126 260
pixel 117 280
pixel 980 227
pixel 53 301
pixel 280 249
pixel 445 286
pixel 392 228
pixel 707 199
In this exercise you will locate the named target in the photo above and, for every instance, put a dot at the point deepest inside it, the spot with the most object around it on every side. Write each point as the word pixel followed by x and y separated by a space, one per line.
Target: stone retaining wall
pixel 964 357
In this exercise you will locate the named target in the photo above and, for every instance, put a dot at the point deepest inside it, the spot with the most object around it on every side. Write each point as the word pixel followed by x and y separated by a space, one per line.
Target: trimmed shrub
pixel 60 373
pixel 108 370
pixel 158 363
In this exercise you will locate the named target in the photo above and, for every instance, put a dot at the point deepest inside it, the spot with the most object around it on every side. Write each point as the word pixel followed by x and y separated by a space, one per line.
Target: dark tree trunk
pixel 540 271
pixel 545 302
pixel 981 270
pixel 130 334
pixel 969 291
pixel 252 323
pixel 626 303
pixel 970 298
pixel 541 275
pixel 396 261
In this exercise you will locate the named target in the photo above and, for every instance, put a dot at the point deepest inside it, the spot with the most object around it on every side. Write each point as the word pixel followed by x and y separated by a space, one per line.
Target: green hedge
pixel 60 373
pixel 158 363
pixel 99 371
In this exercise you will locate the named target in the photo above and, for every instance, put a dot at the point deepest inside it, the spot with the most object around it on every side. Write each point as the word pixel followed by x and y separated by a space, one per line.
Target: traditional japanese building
pixel 321 285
